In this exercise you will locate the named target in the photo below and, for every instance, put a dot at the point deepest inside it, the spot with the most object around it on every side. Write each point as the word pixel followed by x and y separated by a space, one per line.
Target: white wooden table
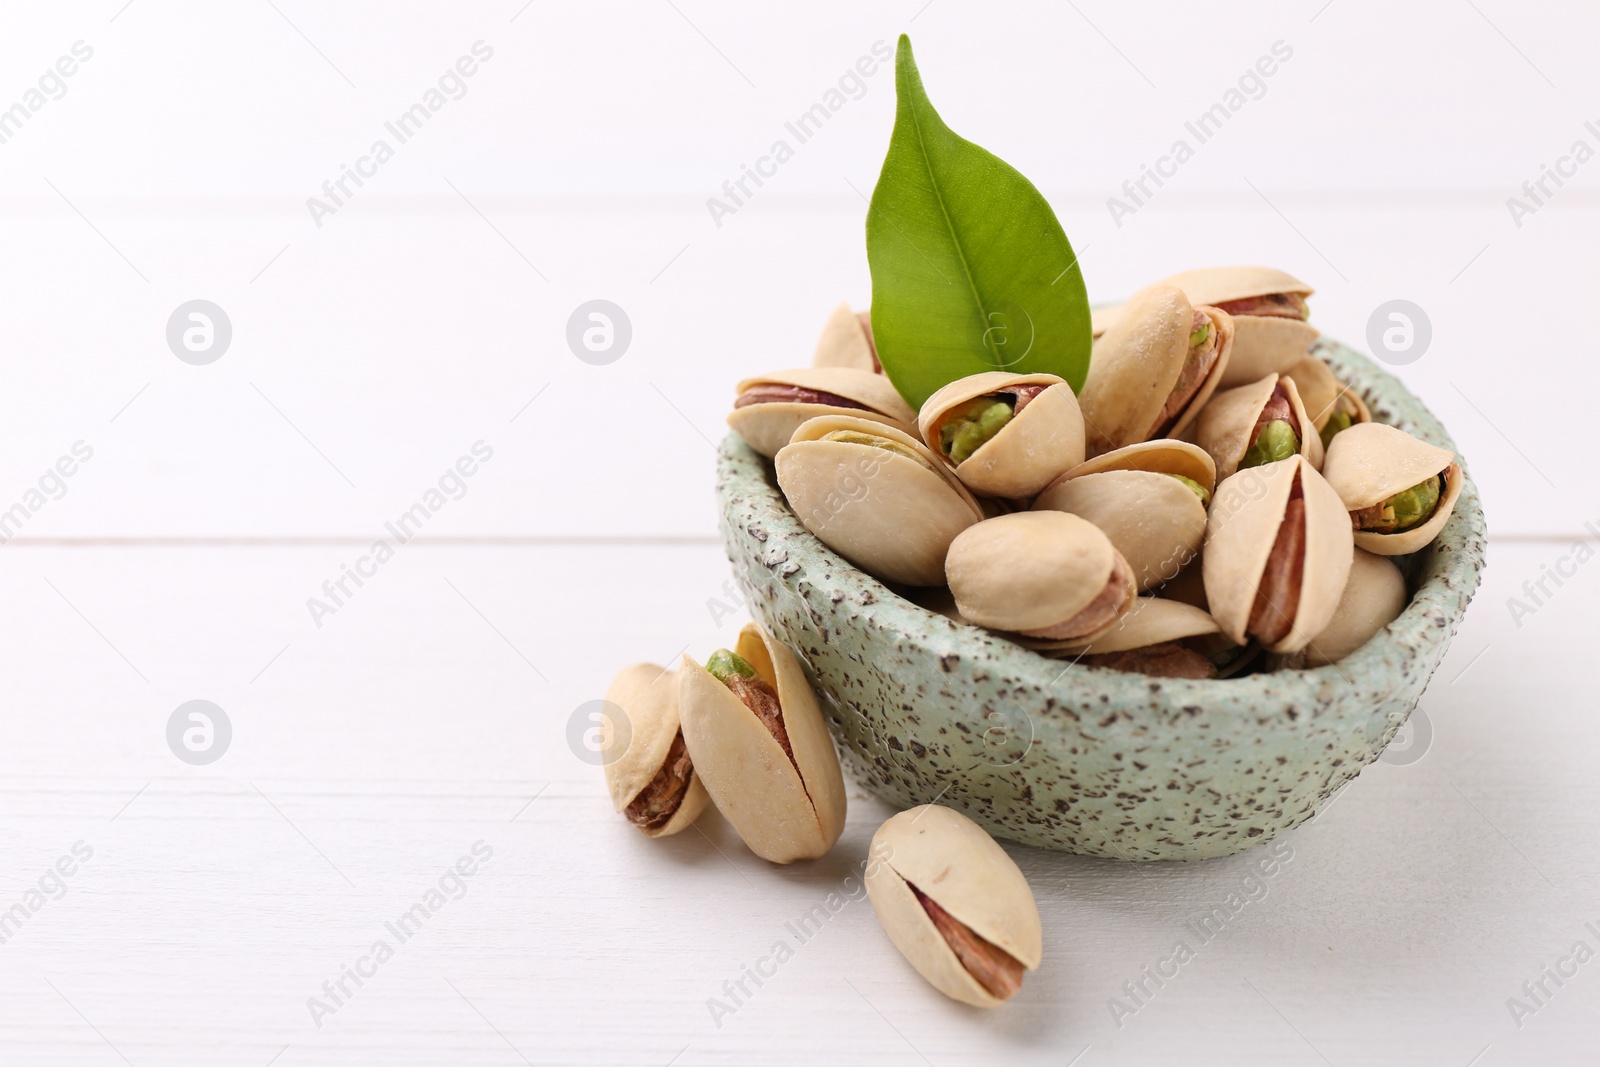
pixel 427 715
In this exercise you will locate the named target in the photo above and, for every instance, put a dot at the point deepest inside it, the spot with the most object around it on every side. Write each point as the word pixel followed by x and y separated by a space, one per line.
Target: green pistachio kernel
pixel 1276 441
pixel 1410 508
pixel 1195 487
pixel 857 437
pixel 724 665
pixel 970 425
pixel 1197 337
pixel 1338 421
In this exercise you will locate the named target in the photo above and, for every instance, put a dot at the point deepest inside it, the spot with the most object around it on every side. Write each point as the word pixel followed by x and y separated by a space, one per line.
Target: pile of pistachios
pixel 1214 502
pixel 744 731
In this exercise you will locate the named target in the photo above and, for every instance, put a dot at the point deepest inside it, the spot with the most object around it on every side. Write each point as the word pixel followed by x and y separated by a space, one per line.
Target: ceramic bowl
pixel 1085 759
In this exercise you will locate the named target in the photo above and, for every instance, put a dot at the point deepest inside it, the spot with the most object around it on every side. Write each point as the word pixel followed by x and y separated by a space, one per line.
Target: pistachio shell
pixel 648 696
pixel 1154 520
pixel 1374 597
pixel 846 341
pixel 1152 621
pixel 1219 285
pixel 1163 456
pixel 1028 451
pixel 1031 571
pixel 785 811
pixel 1136 364
pixel 960 868
pixel 891 516
pixel 1245 515
pixel 1226 424
pixel 1320 391
pixel 768 427
pixel 1370 462
pixel 1266 344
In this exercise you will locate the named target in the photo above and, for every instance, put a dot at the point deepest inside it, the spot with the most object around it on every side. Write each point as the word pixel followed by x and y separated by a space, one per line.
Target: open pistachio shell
pixel 784 810
pixel 1139 362
pixel 648 697
pixel 952 862
pixel 767 427
pixel 892 511
pixel 1266 344
pixel 846 341
pixel 1157 522
pixel 1220 285
pixel 1374 596
pixel 1228 421
pixel 1243 528
pixel 1322 394
pixel 1035 571
pixel 1150 621
pixel 1032 448
pixel 1371 462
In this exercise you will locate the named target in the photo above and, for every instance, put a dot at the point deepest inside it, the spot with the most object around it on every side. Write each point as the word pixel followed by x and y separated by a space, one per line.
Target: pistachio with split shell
pixel 1374 596
pixel 1331 405
pixel 956 906
pixel 846 341
pixel 876 496
pixel 769 408
pixel 1262 422
pixel 652 780
pixel 1399 490
pixel 1041 574
pixel 1278 550
pixel 1269 316
pixel 1160 638
pixel 1154 369
pixel 1149 499
pixel 1006 435
pixel 760 745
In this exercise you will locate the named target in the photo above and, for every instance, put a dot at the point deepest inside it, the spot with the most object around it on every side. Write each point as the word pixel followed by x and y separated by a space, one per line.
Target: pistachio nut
pixel 1041 574
pixel 1374 596
pixel 876 496
pixel 1257 423
pixel 1149 499
pixel 1157 637
pixel 653 780
pixel 1399 490
pixel 1154 369
pixel 1007 435
pixel 1278 551
pixel 1269 312
pixel 769 408
pixel 956 906
pixel 760 745
pixel 1331 405
pixel 846 341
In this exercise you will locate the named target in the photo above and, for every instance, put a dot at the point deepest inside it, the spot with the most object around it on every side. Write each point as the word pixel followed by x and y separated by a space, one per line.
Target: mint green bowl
pixel 1085 759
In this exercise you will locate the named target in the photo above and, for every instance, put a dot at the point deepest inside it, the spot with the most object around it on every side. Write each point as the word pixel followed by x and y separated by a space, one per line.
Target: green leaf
pixel 971 271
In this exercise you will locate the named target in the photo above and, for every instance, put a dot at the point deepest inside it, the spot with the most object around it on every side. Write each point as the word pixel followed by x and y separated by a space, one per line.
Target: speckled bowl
pixel 1085 759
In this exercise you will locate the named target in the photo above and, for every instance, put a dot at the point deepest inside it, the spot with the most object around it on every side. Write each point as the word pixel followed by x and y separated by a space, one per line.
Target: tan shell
pixel 1226 424
pixel 1320 392
pixel 1374 596
pixel 891 516
pixel 768 427
pixel 782 814
pixel 1266 344
pixel 1151 621
pixel 1136 363
pixel 846 341
pixel 950 859
pixel 648 696
pixel 1245 515
pixel 1155 521
pixel 1030 571
pixel 1371 462
pixel 1219 285
pixel 1029 451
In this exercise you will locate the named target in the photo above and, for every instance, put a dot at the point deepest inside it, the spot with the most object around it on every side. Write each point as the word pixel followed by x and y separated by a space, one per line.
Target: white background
pixel 431 710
